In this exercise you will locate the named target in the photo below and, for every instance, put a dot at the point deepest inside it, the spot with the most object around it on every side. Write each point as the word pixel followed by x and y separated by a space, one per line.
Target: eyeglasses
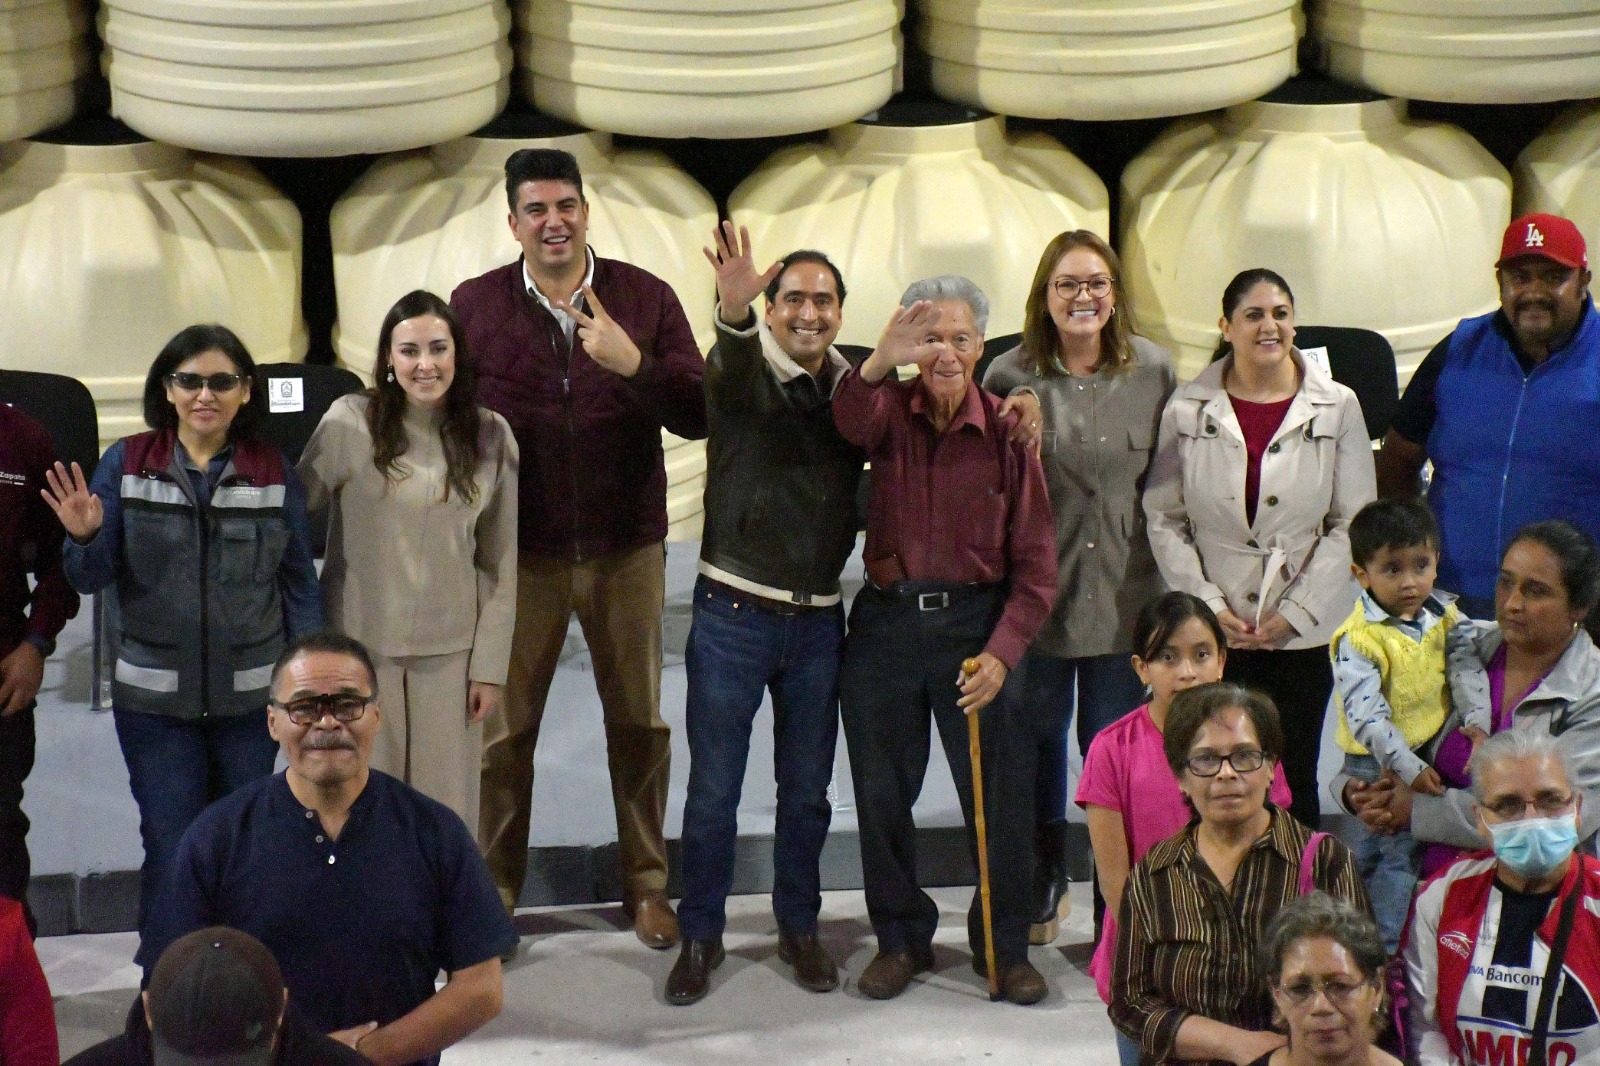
pixel 308 710
pixel 1067 288
pixel 1339 992
pixel 1545 805
pixel 217 383
pixel 1208 764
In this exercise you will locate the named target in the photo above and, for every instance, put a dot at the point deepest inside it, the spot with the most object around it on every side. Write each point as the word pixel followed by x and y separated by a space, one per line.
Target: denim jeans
pixel 1127 1050
pixel 176 767
pixel 736 653
pixel 1103 688
pixel 1388 863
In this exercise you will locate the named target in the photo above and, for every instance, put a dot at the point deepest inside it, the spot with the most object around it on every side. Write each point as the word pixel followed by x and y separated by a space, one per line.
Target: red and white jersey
pixel 1475 963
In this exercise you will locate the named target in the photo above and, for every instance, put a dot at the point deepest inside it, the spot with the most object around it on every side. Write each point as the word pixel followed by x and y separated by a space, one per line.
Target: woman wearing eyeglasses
pixel 1187 983
pixel 1098 388
pixel 200 529
pixel 1325 962
pixel 1262 463
pixel 420 486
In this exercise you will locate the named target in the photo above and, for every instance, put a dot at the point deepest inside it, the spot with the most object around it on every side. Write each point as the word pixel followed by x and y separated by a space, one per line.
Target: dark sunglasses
pixel 217 383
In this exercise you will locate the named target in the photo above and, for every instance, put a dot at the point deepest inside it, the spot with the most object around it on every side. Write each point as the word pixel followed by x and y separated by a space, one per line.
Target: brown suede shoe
pixel 888 975
pixel 814 968
pixel 690 978
pixel 1020 983
pixel 653 921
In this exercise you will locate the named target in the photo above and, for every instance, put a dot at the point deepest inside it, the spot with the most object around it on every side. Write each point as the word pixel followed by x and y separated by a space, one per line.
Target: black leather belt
pixel 762 603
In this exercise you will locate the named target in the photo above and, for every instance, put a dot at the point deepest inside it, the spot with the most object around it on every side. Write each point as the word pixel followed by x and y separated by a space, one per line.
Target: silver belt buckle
pixel 932 601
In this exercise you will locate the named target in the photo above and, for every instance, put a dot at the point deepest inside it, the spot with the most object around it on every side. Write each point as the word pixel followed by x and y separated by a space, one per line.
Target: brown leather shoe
pixel 888 975
pixel 653 921
pixel 690 978
pixel 1020 983
pixel 814 968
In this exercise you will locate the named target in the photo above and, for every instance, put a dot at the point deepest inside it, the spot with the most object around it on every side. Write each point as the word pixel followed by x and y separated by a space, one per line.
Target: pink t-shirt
pixel 1126 771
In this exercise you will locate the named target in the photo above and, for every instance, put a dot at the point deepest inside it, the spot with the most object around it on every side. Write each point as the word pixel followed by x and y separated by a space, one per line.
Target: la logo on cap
pixel 1534 239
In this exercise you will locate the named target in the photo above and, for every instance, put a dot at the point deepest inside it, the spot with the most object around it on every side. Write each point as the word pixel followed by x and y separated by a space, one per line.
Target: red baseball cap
pixel 1547 236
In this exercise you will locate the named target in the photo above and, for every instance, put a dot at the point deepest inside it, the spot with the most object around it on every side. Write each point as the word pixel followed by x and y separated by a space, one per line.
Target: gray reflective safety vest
pixel 198 615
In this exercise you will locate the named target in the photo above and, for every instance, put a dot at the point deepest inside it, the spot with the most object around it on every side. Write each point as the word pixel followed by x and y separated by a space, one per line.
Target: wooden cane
pixel 969 667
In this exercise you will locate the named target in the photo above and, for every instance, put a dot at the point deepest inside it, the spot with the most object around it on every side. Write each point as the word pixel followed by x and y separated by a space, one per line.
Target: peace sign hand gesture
pixel 69 497
pixel 606 342
pixel 738 284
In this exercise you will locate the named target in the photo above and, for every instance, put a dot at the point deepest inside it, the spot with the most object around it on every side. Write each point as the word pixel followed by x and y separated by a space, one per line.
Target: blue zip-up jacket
pixel 1510 448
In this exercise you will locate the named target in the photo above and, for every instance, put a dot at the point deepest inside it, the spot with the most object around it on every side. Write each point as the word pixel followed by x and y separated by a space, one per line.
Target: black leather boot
pixel 1051 902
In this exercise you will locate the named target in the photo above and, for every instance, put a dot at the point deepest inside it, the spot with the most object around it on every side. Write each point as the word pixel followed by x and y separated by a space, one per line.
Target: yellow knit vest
pixel 1413 674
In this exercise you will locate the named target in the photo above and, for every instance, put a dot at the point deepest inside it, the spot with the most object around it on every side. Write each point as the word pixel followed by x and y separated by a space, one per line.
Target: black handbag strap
pixel 1552 972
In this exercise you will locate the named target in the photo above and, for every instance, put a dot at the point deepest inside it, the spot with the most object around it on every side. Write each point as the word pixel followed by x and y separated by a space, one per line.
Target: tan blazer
pixel 1316 475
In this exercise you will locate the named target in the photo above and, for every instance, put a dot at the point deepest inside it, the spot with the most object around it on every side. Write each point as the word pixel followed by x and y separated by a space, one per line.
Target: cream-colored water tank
pixel 306 77
pixel 1560 171
pixel 919 190
pixel 1107 59
pixel 45 64
pixel 686 68
pixel 434 218
pixel 1464 51
pixel 114 243
pixel 1375 220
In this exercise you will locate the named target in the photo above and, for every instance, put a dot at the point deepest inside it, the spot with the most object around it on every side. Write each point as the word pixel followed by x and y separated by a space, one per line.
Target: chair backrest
pixel 65 408
pixel 298 395
pixel 1363 360
pixel 994 347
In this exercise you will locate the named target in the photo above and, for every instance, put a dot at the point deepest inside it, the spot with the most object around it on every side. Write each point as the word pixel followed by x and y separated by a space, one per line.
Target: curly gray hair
pixel 1318 914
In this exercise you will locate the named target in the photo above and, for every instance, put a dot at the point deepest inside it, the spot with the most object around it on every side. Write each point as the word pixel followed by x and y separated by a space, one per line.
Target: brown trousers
pixel 618 599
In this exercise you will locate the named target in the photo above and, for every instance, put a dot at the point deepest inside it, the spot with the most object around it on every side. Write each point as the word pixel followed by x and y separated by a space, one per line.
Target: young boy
pixel 1399 661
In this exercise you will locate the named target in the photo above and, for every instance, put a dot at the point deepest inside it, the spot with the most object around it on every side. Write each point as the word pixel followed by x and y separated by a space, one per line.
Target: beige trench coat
pixel 1317 473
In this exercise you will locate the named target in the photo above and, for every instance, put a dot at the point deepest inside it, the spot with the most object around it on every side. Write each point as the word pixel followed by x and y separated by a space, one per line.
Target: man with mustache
pixel 361 887
pixel 1506 407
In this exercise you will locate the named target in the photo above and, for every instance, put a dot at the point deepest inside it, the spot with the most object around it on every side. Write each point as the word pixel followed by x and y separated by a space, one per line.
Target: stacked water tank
pixel 431 219
pixel 45 64
pixel 1465 51
pixel 115 243
pixel 689 68
pixel 306 77
pixel 1375 219
pixel 918 191
pixel 1107 59
pixel 1560 171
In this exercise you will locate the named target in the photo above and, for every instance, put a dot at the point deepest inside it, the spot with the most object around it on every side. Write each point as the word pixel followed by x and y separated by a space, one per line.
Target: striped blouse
pixel 1186 945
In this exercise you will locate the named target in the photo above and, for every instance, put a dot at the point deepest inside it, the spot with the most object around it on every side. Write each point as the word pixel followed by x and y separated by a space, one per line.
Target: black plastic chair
pixel 318 387
pixel 1363 360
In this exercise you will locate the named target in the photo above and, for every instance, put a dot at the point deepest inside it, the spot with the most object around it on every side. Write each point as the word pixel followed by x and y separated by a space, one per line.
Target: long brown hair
pixel 1039 336
pixel 461 427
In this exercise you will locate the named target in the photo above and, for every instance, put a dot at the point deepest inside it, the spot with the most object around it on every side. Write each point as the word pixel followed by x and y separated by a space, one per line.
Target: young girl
pixel 1127 789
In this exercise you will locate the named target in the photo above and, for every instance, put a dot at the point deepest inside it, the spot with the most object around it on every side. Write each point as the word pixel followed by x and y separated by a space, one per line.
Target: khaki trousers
pixel 423 736
pixel 618 599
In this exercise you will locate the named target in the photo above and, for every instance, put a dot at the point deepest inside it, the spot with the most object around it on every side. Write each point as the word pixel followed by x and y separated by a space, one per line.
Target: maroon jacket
pixel 30 537
pixel 592 479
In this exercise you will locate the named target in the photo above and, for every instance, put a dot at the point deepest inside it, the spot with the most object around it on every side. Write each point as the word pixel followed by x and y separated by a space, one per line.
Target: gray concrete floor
pixel 583 990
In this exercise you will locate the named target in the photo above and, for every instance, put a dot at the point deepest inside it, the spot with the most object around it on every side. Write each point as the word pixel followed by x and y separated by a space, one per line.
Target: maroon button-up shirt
pixel 960 506
pixel 30 537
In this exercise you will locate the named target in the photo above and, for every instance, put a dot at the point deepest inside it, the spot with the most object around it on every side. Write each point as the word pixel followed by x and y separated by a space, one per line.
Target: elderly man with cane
pixel 961 564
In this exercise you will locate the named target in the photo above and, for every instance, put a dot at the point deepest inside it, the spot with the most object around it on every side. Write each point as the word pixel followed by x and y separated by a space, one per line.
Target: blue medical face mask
pixel 1534 847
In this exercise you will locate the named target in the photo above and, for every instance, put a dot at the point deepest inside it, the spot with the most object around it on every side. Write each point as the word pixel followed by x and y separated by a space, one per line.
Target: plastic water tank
pixel 1560 171
pixel 45 64
pixel 1107 59
pixel 1376 220
pixel 434 218
pixel 1465 51
pixel 687 68
pixel 114 243
pixel 306 77
pixel 918 190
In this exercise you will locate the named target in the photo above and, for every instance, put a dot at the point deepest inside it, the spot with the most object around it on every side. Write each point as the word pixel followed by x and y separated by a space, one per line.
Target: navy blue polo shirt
pixel 361 926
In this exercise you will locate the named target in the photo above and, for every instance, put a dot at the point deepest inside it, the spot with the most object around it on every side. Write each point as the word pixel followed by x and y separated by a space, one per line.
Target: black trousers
pixel 16 761
pixel 1299 683
pixel 902 659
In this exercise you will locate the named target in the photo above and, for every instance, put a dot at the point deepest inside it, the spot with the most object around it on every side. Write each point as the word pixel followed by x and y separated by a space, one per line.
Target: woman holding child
pixel 1262 462
pixel 1543 673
